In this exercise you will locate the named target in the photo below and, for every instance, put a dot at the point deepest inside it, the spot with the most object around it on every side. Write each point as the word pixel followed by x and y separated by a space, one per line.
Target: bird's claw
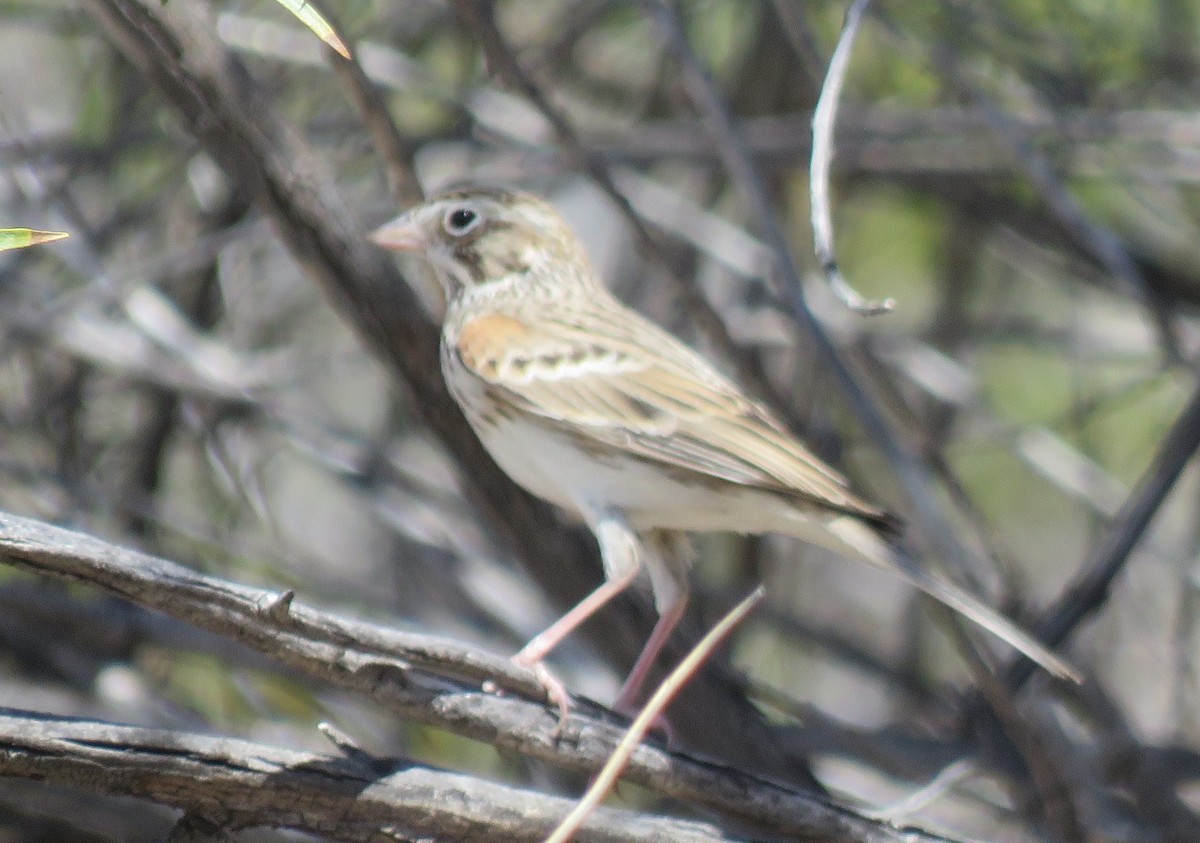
pixel 556 691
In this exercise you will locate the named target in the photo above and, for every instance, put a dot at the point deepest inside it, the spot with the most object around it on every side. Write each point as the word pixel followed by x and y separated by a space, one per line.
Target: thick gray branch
pixel 233 784
pixel 394 669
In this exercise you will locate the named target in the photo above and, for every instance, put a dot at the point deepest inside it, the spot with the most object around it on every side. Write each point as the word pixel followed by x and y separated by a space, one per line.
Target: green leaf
pixel 311 18
pixel 20 238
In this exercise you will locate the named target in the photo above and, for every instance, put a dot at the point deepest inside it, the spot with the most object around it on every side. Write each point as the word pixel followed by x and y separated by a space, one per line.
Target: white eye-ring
pixel 459 221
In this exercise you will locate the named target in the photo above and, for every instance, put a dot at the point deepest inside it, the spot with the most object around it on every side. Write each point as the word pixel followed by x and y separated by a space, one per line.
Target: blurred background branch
pixel 1020 179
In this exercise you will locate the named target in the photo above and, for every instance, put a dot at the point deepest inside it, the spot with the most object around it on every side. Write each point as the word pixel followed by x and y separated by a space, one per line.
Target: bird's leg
pixel 621 552
pixel 667 557
pixel 631 689
pixel 541 644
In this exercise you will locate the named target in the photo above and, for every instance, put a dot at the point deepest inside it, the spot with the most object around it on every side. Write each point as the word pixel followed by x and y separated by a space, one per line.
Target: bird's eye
pixel 461 220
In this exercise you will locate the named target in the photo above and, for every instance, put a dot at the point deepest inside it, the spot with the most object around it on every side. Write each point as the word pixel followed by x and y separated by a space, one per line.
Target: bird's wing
pixel 627 385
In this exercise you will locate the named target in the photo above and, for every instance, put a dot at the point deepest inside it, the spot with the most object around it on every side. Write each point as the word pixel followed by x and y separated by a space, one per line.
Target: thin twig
pixel 942 783
pixel 801 39
pixel 395 149
pixel 653 709
pixel 1089 590
pixel 824 117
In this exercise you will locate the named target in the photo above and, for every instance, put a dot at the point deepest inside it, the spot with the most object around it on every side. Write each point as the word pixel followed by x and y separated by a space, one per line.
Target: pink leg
pixel 536 650
pixel 627 699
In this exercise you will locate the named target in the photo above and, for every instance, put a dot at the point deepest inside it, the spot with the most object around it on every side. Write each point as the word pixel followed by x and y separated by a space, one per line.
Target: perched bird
pixel 594 408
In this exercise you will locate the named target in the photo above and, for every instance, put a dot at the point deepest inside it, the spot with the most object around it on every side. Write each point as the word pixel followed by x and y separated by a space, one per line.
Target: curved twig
pixel 824 116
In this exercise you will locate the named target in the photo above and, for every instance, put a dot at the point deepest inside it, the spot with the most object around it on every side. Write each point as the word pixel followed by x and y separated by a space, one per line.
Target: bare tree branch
pixel 229 785
pixel 1090 589
pixel 824 117
pixel 388 665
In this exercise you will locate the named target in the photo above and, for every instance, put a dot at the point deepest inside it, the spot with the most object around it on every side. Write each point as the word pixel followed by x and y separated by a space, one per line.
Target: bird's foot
pixel 556 691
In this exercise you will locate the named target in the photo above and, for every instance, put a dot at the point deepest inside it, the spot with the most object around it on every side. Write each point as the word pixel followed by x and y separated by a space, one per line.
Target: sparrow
pixel 592 407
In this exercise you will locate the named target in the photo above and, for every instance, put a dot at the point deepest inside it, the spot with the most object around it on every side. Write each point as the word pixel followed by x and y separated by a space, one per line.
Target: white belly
pixel 551 466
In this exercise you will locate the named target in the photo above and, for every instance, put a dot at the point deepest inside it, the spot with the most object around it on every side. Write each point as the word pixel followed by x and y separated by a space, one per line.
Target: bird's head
pixel 476 236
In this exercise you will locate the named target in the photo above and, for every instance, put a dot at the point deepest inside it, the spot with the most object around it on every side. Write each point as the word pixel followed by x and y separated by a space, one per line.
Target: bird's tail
pixel 859 540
